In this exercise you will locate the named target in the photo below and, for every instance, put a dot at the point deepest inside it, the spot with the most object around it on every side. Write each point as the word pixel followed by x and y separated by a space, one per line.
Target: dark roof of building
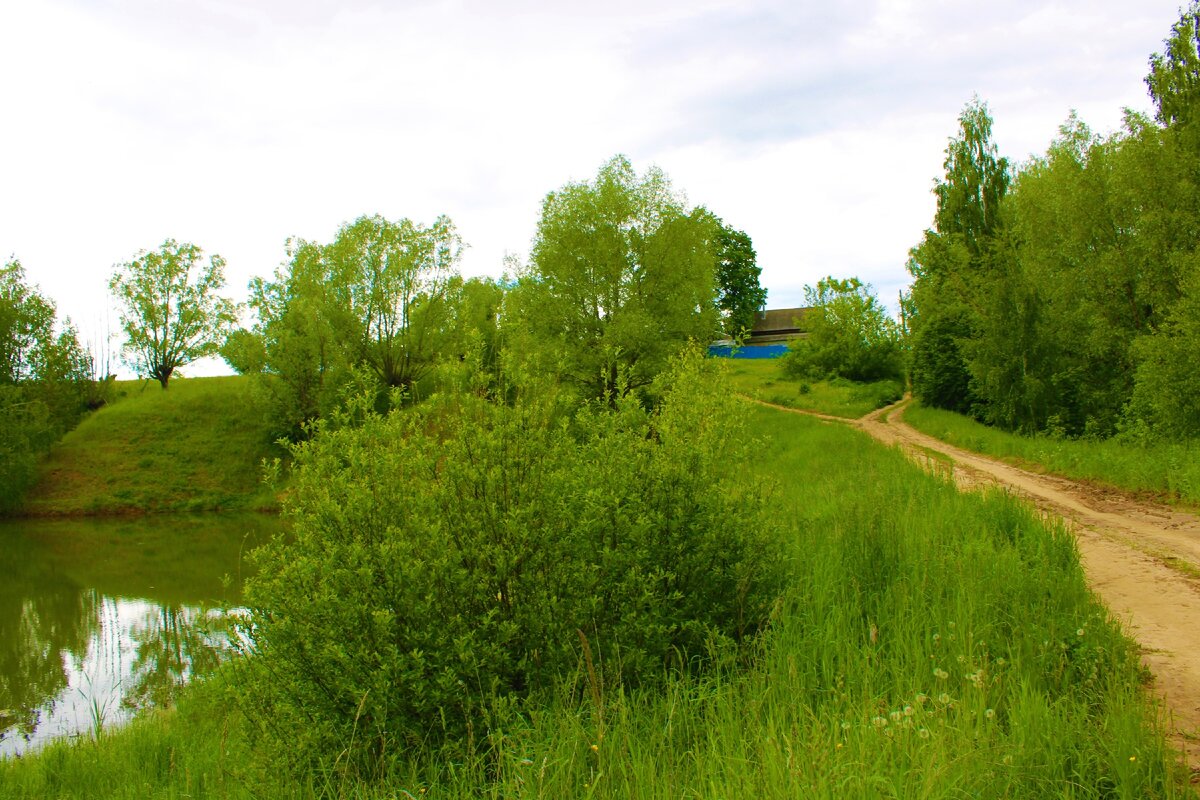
pixel 776 321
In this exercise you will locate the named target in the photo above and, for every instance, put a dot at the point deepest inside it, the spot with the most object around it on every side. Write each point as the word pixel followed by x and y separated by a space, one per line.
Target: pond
pixel 101 617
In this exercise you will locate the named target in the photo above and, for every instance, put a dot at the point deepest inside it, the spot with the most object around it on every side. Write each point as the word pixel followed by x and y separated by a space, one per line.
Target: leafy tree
pixel 377 299
pixel 850 335
pixel 968 200
pixel 621 276
pixel 397 275
pixel 739 293
pixel 172 314
pixel 950 263
pixel 1174 79
pixel 44 376
pixel 1166 394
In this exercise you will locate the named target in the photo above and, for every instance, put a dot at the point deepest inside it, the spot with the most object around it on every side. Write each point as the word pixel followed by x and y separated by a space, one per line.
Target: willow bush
pixel 448 557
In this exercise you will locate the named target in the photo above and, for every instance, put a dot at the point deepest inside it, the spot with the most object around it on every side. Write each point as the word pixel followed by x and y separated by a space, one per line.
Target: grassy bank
pixel 195 447
pixel 932 645
pixel 1168 471
pixel 763 379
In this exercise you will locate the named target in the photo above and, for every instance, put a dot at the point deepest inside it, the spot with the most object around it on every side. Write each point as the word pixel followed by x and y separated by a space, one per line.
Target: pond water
pixel 99 618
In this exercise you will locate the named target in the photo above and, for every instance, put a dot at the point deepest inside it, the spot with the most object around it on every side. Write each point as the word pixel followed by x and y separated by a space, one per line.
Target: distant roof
pixel 779 322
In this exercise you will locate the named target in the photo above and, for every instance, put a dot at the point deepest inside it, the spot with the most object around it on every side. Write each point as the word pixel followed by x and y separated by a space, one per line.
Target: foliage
pixel 1174 79
pixel 621 276
pixel 375 299
pixel 938 369
pixel 26 433
pixel 1054 304
pixel 45 381
pixel 172 313
pixel 1166 394
pixel 445 557
pixel 948 265
pixel 850 335
pixel 739 293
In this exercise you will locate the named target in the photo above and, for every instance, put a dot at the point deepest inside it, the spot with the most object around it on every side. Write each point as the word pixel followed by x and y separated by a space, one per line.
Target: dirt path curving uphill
pixel 1142 559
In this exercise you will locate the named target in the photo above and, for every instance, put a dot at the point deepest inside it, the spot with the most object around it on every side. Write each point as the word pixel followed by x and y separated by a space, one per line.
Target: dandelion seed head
pixel 1079 632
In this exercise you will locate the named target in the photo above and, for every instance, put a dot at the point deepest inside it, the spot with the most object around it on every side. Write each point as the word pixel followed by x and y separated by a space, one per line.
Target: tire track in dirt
pixel 1142 559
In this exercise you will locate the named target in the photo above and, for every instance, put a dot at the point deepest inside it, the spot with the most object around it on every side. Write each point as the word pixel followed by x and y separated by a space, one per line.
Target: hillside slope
pixel 195 447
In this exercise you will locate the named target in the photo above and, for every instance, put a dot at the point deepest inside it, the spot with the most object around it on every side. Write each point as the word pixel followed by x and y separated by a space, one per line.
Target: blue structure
pixel 747 351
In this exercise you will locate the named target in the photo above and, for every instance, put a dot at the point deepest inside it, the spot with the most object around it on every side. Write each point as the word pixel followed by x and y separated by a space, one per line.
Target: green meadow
pixel 764 379
pixel 931 644
pixel 195 447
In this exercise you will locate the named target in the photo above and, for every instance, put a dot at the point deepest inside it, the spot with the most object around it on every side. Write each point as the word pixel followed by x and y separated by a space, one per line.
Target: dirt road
pixel 1142 559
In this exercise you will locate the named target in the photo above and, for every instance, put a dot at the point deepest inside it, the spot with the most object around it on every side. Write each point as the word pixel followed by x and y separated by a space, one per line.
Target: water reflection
pixel 101 618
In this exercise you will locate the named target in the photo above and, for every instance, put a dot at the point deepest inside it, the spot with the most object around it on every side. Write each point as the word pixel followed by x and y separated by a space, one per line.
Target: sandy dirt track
pixel 1141 558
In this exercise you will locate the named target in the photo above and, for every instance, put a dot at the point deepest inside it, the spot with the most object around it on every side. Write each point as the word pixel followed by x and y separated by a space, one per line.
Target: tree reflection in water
pixel 71 662
pixel 174 645
pixel 99 618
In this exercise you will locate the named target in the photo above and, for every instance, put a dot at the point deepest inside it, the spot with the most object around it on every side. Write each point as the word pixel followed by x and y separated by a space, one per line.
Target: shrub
pixel 850 335
pixel 451 554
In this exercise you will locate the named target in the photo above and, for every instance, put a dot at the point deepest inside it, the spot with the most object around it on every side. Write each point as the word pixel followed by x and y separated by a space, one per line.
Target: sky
pixel 816 127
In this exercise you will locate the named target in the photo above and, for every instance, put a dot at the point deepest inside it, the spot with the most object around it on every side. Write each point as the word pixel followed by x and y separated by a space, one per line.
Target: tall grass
pixel 764 379
pixel 196 447
pixel 932 645
pixel 1170 470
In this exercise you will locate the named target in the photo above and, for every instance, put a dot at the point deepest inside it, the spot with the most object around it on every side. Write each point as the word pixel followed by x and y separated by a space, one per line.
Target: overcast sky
pixel 817 127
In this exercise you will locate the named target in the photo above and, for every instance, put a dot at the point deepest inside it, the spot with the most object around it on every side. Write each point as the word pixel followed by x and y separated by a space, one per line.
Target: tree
pixel 968 200
pixel 44 376
pixel 1166 393
pixel 739 293
pixel 621 276
pixel 172 314
pixel 373 302
pixel 397 274
pixel 1174 79
pixel 850 335
pixel 947 266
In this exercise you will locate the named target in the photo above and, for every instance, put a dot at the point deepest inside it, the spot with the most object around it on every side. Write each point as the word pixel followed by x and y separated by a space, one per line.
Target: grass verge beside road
pixel 1169 471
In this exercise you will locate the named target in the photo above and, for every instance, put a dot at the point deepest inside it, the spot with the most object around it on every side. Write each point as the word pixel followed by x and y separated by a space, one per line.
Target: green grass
pixel 764 379
pixel 1168 471
pixel 933 645
pixel 196 447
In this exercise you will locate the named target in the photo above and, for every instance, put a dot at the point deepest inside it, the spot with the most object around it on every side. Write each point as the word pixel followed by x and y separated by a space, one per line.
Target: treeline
pixel 1063 296
pixel 621 274
pixel 47 381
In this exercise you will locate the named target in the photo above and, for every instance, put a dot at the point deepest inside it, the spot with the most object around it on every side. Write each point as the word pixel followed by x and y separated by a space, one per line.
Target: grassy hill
pixel 196 447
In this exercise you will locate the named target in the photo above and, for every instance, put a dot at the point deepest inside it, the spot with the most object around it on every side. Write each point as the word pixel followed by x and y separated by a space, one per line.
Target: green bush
pixel 850 335
pixel 464 551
